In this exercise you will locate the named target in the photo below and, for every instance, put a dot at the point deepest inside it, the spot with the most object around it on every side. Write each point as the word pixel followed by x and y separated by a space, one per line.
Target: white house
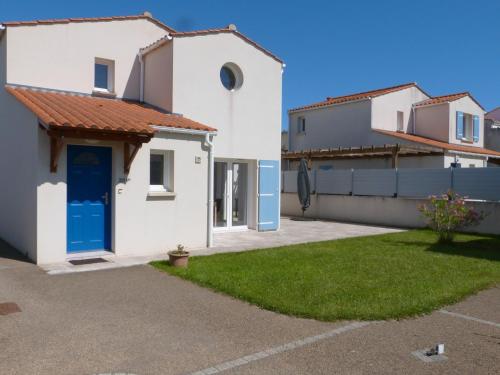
pixel 122 134
pixel 492 132
pixel 400 126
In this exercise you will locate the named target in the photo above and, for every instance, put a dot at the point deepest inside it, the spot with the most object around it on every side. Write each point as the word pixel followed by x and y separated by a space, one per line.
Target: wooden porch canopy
pixel 77 116
pixel 386 151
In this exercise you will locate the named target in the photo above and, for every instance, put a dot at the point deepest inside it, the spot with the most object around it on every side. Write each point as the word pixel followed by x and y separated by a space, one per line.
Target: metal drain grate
pixel 81 262
pixel 7 308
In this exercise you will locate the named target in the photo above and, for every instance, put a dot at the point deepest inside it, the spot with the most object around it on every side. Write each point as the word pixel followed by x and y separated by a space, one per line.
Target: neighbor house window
pixel 400 119
pixel 104 75
pixel 301 125
pixel 161 171
pixel 468 127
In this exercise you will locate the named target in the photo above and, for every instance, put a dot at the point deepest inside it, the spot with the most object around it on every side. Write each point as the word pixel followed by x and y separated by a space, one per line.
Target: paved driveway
pixel 138 320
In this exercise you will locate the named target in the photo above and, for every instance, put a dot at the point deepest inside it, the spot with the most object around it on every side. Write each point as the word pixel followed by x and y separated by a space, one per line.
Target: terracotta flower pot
pixel 178 260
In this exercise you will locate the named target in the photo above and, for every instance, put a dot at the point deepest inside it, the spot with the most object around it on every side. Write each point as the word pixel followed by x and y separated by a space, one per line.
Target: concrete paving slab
pixel 291 232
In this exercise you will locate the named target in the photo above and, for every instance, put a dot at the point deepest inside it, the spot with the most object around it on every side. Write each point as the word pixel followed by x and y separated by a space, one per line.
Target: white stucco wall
pixel 158 71
pixel 466 105
pixel 433 121
pixel 343 125
pixel 248 119
pixel 141 225
pixel 62 56
pixel 466 161
pixel 385 108
pixel 18 161
pixel 396 212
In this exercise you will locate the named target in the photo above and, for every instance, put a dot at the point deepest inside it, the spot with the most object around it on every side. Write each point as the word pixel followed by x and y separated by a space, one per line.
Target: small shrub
pixel 448 213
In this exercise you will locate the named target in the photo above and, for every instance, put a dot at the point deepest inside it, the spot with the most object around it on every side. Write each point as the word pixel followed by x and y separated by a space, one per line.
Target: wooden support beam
pixel 129 155
pixel 56 146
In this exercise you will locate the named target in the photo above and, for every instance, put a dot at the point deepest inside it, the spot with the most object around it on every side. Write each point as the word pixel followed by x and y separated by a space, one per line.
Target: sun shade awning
pixel 58 110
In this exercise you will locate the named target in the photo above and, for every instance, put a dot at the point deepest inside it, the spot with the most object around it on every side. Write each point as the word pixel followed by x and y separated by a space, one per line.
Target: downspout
pixel 210 205
pixel 141 92
pixel 414 122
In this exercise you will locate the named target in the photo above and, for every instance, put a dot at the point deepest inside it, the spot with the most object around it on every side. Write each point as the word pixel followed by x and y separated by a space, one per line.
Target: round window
pixel 231 76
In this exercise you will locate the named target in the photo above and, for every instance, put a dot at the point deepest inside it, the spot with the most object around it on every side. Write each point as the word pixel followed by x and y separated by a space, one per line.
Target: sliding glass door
pixel 230 194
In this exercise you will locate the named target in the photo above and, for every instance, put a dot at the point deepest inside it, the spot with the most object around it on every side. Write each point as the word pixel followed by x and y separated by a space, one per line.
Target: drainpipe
pixel 414 123
pixel 141 62
pixel 210 207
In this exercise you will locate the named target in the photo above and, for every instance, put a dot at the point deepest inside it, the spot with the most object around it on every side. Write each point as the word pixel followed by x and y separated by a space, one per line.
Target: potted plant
pixel 178 257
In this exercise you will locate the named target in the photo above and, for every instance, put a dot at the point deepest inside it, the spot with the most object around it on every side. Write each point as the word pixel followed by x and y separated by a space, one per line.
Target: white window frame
pixel 111 75
pixel 400 121
pixel 301 125
pixel 168 172
pixel 468 127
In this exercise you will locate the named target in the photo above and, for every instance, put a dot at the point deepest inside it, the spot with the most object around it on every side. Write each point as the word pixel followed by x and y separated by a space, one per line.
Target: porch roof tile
pixel 76 111
pixel 440 144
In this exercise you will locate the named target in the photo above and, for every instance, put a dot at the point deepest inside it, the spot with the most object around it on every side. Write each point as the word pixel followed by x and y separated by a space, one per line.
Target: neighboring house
pixel 121 134
pixel 284 140
pixel 400 126
pixel 492 131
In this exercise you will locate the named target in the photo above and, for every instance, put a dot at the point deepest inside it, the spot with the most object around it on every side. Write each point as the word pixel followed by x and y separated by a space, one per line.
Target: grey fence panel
pixel 380 182
pixel 290 181
pixel 334 181
pixel 477 183
pixel 421 183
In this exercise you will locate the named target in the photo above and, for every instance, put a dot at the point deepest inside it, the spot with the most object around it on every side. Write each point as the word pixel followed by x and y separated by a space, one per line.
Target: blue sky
pixel 335 48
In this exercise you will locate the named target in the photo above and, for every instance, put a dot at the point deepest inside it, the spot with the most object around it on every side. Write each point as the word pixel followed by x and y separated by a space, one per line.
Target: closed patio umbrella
pixel 303 186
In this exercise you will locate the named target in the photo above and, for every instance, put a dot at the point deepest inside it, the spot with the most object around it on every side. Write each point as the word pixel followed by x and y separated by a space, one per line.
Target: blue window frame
pixel 101 76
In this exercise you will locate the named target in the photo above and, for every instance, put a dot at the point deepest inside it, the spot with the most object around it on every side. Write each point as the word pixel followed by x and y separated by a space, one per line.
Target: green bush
pixel 448 213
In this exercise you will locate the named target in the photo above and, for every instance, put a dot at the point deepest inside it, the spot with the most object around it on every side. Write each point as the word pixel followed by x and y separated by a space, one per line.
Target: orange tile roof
pixel 64 110
pixel 493 115
pixel 94 19
pixel 358 96
pixel 442 99
pixel 225 30
pixel 439 144
pixel 446 99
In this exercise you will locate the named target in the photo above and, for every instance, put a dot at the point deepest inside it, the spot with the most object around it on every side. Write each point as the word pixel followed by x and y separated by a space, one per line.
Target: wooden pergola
pixel 386 151
pixel 131 143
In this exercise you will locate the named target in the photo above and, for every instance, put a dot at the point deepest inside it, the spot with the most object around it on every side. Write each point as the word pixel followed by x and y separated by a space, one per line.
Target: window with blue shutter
pixel 476 129
pixel 460 125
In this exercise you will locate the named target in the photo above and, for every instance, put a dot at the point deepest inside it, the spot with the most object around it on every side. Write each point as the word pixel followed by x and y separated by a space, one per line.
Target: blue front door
pixel 89 198
pixel 269 199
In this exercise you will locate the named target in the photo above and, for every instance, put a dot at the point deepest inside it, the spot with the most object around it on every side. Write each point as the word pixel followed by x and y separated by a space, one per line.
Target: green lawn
pixel 376 277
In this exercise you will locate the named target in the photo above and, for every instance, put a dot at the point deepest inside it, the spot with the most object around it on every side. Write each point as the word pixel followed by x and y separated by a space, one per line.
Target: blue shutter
pixel 269 199
pixel 476 129
pixel 460 125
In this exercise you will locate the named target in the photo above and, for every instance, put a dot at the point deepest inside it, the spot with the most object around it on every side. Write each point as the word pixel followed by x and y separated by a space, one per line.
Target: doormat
pixel 81 262
pixel 7 308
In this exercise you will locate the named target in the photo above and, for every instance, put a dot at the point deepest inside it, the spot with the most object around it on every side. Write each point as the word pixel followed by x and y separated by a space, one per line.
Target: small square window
pixel 400 119
pixel 101 76
pixel 161 171
pixel 104 75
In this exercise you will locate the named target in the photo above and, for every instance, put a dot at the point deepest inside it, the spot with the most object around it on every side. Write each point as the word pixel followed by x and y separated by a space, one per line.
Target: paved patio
pixel 291 232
